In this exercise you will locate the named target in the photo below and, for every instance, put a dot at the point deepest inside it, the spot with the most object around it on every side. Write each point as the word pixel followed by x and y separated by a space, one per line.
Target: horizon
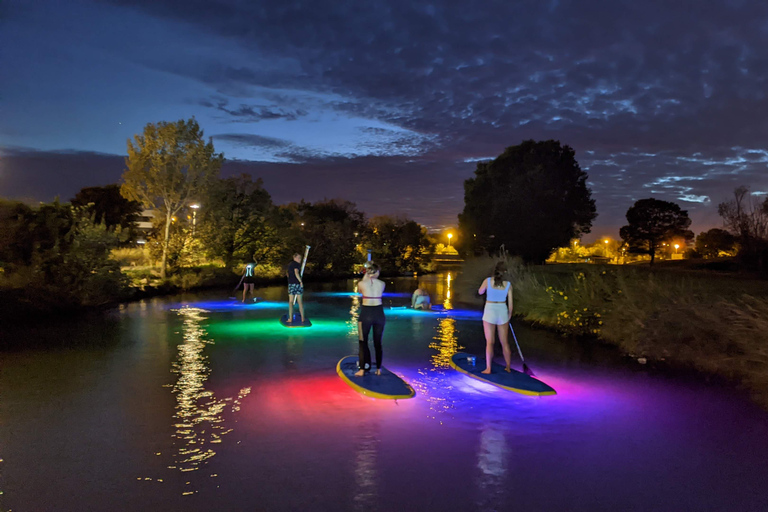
pixel 391 105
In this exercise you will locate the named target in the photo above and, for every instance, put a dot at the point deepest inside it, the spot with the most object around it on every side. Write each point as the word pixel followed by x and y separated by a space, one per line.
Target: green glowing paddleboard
pixel 387 385
pixel 512 381
pixel 296 321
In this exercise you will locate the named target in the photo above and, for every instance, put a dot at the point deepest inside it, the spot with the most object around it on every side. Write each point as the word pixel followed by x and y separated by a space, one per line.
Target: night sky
pixel 390 104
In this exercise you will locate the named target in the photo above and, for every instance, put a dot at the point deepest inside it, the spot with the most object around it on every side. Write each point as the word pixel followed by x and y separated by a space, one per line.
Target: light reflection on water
pixel 302 439
pixel 199 414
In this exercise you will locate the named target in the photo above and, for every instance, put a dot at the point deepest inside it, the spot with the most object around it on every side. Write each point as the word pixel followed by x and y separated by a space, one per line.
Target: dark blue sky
pixel 391 103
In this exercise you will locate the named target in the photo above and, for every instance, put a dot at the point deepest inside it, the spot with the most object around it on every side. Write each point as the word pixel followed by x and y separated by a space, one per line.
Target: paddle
pixel 526 370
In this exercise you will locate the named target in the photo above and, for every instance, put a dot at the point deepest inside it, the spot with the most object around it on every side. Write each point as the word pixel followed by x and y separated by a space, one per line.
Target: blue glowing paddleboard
pixel 387 385
pixel 296 321
pixel 514 381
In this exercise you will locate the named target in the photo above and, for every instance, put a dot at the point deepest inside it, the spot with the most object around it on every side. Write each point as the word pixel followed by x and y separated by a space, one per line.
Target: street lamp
pixel 676 248
pixel 450 235
pixel 194 207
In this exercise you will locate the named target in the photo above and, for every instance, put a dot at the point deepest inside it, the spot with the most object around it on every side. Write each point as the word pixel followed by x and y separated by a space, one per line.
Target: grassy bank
pixel 716 324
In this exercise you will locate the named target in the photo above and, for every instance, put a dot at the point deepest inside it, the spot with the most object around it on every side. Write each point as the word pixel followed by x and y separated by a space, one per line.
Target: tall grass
pixel 697 321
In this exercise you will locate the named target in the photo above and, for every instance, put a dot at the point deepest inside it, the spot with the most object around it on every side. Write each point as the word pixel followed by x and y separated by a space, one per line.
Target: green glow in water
pixel 270 329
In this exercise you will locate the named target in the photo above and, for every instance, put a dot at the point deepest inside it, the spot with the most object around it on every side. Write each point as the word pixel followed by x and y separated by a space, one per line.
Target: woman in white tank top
pixel 497 314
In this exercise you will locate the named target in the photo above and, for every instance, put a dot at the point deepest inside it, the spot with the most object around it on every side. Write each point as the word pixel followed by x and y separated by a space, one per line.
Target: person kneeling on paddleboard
pixel 371 316
pixel 496 314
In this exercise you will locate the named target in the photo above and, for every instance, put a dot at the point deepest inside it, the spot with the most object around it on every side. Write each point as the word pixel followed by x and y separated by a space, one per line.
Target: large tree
pixel 108 206
pixel 653 221
pixel 747 217
pixel 532 199
pixel 710 244
pixel 397 244
pixel 235 220
pixel 169 167
pixel 333 228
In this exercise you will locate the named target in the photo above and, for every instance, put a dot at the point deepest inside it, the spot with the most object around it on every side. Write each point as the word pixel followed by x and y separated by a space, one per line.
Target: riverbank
pixel 716 324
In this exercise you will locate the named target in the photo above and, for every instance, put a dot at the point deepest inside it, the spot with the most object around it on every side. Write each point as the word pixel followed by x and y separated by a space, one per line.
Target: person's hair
pixel 372 269
pixel 295 254
pixel 498 274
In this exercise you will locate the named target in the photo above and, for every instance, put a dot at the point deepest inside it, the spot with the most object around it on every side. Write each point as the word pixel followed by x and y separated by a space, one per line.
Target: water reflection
pixel 366 473
pixel 492 458
pixel 199 414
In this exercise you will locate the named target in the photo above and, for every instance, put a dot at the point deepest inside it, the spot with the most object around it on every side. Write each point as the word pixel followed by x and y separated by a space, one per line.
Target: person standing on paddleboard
pixel 371 316
pixel 249 279
pixel 497 315
pixel 295 287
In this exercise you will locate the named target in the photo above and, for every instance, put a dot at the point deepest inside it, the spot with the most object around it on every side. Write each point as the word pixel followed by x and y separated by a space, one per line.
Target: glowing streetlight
pixel 194 207
pixel 676 248
pixel 450 235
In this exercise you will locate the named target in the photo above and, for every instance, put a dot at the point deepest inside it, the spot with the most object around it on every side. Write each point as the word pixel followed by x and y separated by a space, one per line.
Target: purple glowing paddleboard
pixel 512 381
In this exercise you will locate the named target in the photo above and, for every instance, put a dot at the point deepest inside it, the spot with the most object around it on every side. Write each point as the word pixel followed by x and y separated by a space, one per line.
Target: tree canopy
pixel 235 220
pixel 168 167
pixel 533 198
pixel 108 206
pixel 711 243
pixel 653 221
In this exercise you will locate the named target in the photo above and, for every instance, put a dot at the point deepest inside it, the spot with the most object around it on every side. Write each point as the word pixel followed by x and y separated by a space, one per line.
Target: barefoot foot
pixel 508 369
pixel 359 373
pixel 378 372
pixel 487 371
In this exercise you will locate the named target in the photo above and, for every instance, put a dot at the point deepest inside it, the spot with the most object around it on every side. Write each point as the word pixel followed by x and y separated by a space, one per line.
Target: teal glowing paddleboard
pixel 387 385
pixel 512 381
pixel 296 321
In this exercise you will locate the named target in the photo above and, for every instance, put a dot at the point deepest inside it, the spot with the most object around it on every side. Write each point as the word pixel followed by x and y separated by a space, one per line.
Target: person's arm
pixel 509 302
pixel 298 276
pixel 483 287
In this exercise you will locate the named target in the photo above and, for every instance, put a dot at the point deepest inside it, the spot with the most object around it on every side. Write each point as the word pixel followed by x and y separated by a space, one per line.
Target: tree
pixel 532 199
pixel 169 167
pixel 713 242
pixel 652 221
pixel 333 228
pixel 235 220
pixel 747 218
pixel 108 206
pixel 397 244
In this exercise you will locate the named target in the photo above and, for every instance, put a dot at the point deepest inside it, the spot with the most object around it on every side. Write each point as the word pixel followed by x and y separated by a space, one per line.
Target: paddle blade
pixel 528 371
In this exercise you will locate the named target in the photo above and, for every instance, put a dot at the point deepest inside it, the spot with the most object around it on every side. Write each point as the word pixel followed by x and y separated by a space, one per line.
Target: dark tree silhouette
pixel 532 199
pixel 652 221
pixel 710 243
pixel 108 206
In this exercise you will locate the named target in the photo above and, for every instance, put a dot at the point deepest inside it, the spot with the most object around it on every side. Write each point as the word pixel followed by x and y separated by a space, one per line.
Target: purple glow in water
pixel 171 417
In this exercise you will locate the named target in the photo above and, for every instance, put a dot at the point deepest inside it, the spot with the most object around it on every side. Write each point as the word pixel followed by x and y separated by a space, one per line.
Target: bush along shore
pixel 714 324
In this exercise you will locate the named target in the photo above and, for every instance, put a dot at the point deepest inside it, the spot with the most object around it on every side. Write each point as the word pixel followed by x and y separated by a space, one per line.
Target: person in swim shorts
pixel 497 314
pixel 295 287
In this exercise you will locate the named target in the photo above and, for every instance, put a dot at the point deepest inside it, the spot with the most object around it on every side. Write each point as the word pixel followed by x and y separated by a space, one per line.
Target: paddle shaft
pixel 516 343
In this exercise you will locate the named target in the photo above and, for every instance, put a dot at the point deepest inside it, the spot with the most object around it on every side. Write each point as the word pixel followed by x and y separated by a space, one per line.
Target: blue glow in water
pixel 231 305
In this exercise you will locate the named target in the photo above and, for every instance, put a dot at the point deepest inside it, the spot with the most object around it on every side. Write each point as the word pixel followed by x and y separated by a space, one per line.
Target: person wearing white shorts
pixel 497 313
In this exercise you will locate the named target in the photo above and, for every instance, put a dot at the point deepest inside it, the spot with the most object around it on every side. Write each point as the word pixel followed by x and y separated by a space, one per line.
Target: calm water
pixel 202 403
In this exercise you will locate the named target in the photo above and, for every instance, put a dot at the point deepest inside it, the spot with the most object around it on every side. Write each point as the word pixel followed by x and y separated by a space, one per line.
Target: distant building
pixel 144 226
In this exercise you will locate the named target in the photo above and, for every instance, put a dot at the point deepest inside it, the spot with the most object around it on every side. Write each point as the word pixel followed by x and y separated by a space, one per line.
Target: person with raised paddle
pixel 497 313
pixel 371 316
pixel 295 287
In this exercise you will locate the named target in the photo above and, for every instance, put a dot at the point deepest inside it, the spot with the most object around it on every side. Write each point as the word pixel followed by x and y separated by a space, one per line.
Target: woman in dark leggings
pixel 371 315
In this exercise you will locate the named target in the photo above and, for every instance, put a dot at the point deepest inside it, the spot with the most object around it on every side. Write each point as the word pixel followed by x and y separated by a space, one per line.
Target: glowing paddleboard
pixel 296 321
pixel 387 385
pixel 514 381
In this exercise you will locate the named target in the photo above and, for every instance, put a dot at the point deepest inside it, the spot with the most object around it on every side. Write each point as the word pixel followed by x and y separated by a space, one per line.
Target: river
pixel 199 402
